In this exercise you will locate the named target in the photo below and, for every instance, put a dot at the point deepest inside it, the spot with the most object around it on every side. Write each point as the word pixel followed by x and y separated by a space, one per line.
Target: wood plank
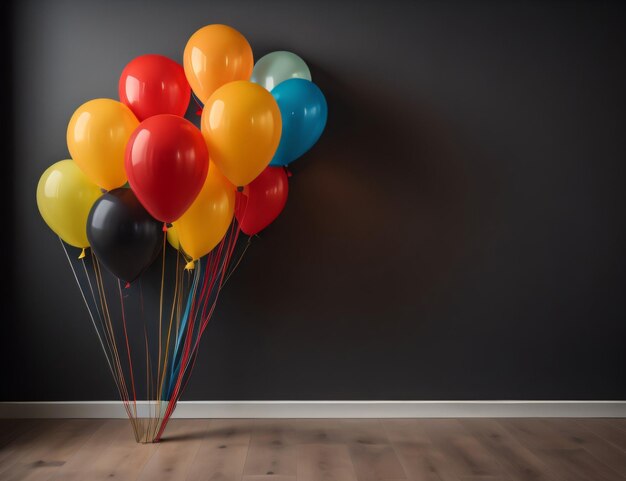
pixel 361 431
pixel 577 465
pixel 315 431
pixel 271 452
pixel 611 430
pixel 228 431
pixel 324 462
pixel 419 458
pixel 480 478
pixel 123 459
pixel 405 430
pixel 536 434
pixel 375 462
pixel 602 450
pixel 619 423
pixel 423 462
pixel 26 440
pixel 341 450
pixel 8 428
pixel 51 450
pixel 269 478
pixel 516 459
pixel 463 453
pixel 222 452
pixel 79 465
pixel 176 450
pixel 10 431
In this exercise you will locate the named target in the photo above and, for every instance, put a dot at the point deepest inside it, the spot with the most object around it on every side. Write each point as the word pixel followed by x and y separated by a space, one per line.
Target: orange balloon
pixel 215 55
pixel 96 138
pixel 206 222
pixel 241 124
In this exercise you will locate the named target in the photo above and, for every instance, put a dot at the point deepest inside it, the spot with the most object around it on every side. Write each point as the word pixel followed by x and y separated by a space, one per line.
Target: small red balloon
pixel 166 163
pixel 154 84
pixel 262 200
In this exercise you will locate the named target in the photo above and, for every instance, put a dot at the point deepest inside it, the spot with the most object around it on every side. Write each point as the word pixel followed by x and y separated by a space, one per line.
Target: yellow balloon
pixel 64 197
pixel 97 136
pixel 241 124
pixel 206 222
pixel 214 56
pixel 172 237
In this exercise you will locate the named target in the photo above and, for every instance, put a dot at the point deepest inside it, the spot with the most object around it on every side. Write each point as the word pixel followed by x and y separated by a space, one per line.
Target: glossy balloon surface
pixel 241 124
pixel 214 56
pixel 152 85
pixel 262 200
pixel 304 112
pixel 205 223
pixel 123 235
pixel 166 162
pixel 64 197
pixel 96 138
pixel 276 67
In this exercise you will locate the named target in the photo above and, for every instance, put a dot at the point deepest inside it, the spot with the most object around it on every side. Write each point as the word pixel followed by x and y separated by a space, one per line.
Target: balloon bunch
pixel 142 173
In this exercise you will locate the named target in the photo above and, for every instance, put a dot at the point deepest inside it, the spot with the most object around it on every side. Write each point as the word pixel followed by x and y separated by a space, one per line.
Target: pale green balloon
pixel 276 67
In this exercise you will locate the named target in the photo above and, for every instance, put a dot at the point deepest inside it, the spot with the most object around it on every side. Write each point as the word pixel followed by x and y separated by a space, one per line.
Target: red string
pixel 216 268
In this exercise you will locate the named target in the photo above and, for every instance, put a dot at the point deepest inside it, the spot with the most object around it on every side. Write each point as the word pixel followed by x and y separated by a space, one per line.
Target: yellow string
pixel 118 365
pixel 167 344
pixel 161 317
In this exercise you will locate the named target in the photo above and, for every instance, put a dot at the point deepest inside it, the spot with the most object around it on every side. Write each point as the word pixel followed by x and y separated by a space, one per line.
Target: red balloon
pixel 262 200
pixel 154 84
pixel 166 163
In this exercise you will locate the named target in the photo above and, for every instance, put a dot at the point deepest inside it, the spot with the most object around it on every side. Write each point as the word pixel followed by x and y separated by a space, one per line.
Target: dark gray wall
pixel 458 232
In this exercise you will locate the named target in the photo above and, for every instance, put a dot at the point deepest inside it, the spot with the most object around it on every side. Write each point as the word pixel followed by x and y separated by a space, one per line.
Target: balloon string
pixel 174 310
pixel 130 361
pixel 174 364
pixel 219 269
pixel 185 328
pixel 185 354
pixel 238 261
pixel 102 323
pixel 161 386
pixel 152 418
pixel 190 355
pixel 161 308
pixel 185 374
pixel 183 324
pixel 163 250
pixel 180 315
pixel 115 378
pixel 107 316
pixel 91 316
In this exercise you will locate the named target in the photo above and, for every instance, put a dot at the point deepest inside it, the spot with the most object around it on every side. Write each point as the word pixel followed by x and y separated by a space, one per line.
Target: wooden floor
pixel 312 450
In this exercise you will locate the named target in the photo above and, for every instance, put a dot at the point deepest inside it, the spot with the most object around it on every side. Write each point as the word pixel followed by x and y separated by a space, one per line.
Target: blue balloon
pixel 304 111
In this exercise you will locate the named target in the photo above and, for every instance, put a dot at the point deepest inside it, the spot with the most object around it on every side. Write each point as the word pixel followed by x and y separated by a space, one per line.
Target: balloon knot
pixel 164 227
pixel 289 174
pixel 127 285
pixel 82 254
pixel 199 112
pixel 240 188
pixel 190 265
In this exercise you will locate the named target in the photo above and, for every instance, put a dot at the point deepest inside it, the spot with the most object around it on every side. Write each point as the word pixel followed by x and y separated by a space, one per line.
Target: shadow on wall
pixel 388 189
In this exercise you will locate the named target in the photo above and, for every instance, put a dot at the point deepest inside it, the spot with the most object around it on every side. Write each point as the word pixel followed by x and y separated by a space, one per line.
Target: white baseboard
pixel 325 409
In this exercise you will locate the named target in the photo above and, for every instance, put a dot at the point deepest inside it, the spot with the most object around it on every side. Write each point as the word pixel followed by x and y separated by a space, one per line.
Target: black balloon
pixel 123 236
